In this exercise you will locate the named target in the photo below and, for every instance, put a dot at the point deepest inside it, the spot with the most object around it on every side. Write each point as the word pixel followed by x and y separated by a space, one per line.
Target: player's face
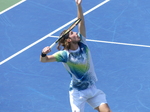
pixel 74 36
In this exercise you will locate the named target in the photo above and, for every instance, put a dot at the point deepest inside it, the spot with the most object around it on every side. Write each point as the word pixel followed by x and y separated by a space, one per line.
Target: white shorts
pixel 91 95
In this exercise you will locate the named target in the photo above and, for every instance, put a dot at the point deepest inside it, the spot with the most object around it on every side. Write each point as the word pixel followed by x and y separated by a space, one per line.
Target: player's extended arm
pixel 81 26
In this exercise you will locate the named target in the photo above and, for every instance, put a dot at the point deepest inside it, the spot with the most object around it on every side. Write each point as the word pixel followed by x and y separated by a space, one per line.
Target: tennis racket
pixel 66 32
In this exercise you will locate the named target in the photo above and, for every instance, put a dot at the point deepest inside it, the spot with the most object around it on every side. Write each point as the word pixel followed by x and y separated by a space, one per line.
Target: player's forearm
pixel 43 59
pixel 82 23
pixel 47 58
pixel 80 12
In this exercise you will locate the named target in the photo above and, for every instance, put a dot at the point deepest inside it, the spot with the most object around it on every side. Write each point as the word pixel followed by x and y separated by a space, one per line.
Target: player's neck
pixel 74 46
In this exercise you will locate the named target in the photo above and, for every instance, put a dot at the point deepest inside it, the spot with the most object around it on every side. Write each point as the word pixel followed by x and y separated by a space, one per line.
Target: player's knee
pixel 106 110
pixel 103 108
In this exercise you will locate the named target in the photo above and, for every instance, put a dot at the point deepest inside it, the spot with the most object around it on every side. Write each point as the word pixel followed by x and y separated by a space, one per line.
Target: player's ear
pixel 68 40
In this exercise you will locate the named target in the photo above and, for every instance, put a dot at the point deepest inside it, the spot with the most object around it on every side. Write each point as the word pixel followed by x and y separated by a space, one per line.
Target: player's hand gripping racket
pixel 66 32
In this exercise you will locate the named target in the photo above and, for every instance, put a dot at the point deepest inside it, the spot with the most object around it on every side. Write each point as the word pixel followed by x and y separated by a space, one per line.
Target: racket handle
pixel 52 45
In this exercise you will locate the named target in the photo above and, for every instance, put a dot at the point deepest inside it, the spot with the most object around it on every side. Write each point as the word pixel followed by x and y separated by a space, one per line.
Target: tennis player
pixel 76 58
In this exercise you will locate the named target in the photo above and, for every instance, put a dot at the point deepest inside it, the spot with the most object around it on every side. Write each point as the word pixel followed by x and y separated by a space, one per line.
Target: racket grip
pixel 52 45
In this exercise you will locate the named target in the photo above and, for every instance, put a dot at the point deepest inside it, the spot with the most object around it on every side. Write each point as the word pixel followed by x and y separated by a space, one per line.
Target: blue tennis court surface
pixel 120 46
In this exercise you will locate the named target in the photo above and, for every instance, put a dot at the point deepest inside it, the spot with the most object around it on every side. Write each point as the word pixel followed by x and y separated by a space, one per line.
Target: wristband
pixel 43 55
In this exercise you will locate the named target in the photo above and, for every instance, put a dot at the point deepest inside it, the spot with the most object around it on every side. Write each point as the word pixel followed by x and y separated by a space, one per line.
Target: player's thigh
pixel 97 99
pixel 76 101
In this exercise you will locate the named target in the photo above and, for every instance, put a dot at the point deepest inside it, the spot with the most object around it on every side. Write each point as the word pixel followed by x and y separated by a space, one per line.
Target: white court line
pixel 12 6
pixel 48 35
pixel 109 42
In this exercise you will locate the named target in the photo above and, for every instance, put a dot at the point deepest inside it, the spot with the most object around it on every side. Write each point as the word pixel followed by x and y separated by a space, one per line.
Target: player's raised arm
pixel 81 26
